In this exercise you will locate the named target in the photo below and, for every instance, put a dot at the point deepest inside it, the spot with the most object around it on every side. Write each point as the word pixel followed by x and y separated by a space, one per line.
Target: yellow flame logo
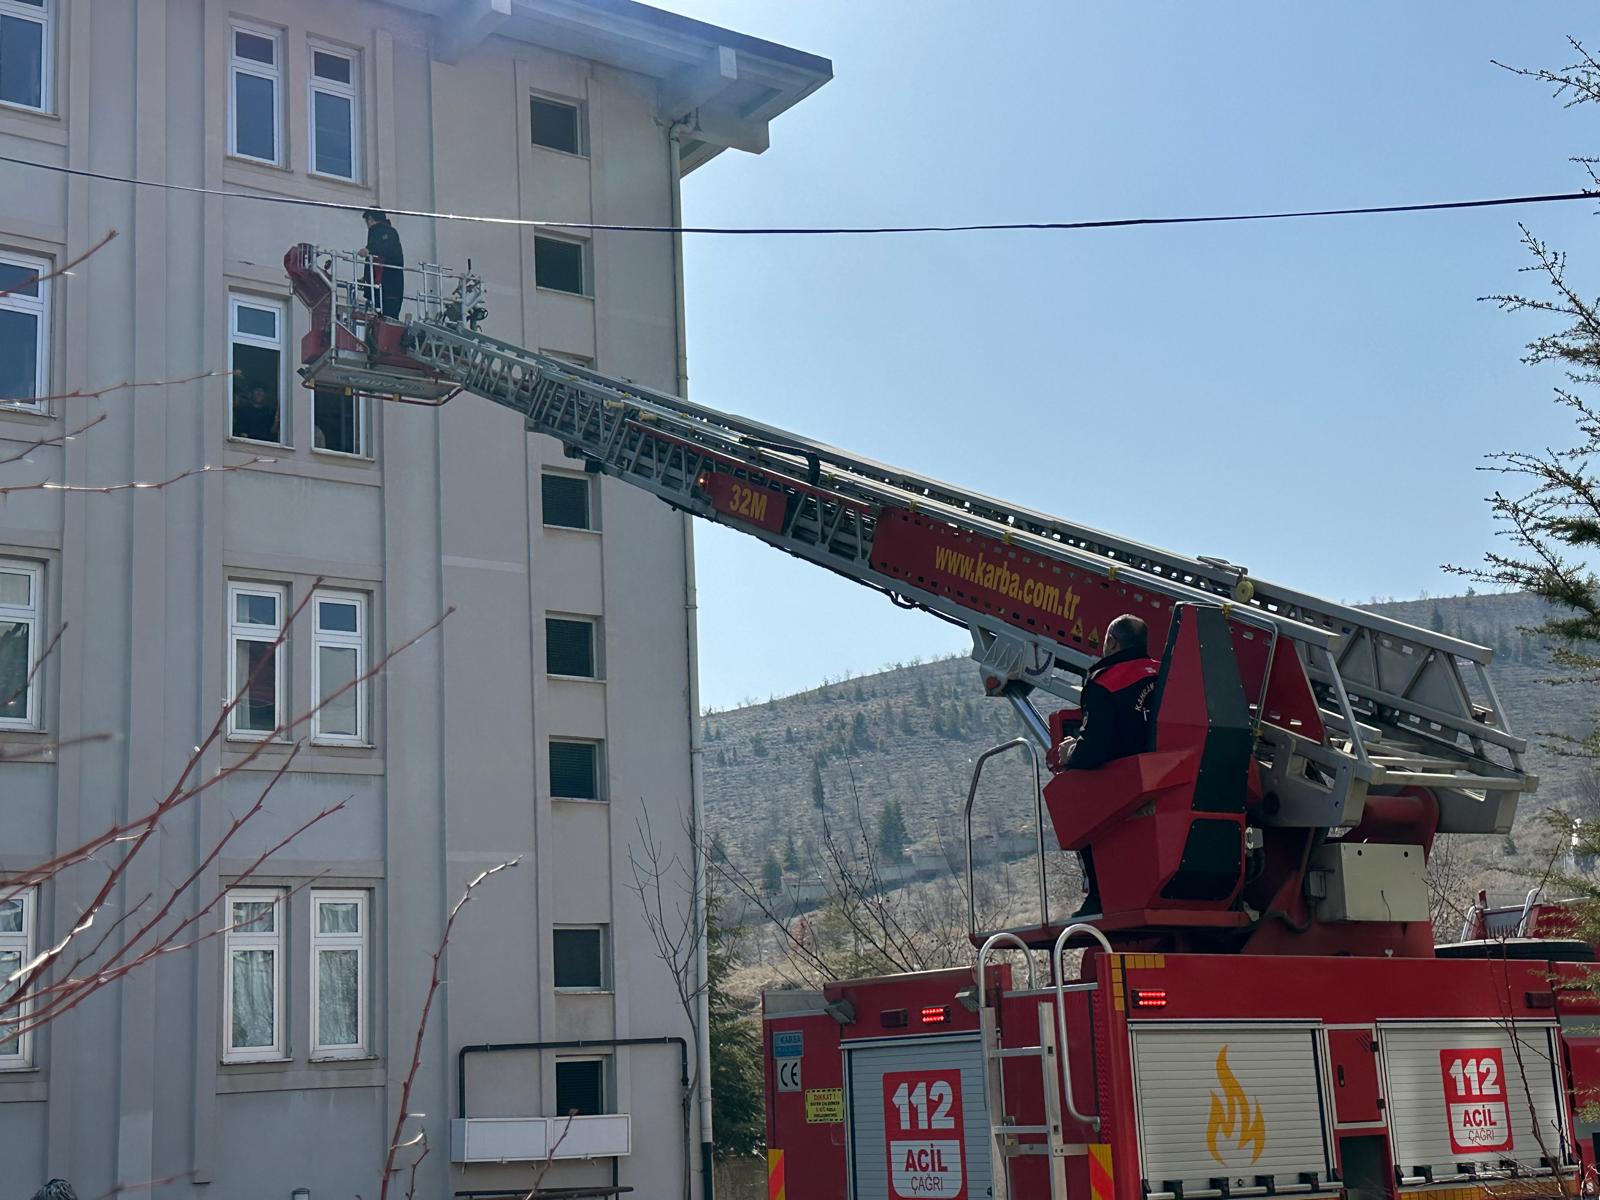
pixel 1230 1112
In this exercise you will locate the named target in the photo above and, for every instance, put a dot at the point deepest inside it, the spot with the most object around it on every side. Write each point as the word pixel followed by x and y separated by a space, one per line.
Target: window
pixel 256 359
pixel 569 647
pixel 19 640
pixel 338 974
pixel 580 959
pixel 24 328
pixel 254 983
pixel 557 126
pixel 255 671
pixel 564 500
pixel 338 422
pixel 25 53
pixel 339 658
pixel 255 111
pixel 558 265
pixel 575 770
pixel 333 110
pixel 16 948
pixel 580 1086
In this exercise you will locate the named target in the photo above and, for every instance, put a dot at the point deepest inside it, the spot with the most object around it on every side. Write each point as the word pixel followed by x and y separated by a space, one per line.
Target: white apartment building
pixel 550 712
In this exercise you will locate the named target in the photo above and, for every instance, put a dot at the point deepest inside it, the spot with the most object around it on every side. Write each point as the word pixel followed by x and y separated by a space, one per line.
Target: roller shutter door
pixel 873 1074
pixel 1456 1094
pixel 1230 1101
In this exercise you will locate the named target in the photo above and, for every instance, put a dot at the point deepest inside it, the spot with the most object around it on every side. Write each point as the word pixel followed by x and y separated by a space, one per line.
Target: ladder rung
pixel 1011 1130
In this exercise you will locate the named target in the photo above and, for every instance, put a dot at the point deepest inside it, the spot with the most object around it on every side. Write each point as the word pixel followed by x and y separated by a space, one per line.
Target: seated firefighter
pixel 1117 716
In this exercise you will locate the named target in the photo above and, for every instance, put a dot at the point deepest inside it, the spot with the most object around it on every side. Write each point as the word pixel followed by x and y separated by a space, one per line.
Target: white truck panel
pixel 1232 1101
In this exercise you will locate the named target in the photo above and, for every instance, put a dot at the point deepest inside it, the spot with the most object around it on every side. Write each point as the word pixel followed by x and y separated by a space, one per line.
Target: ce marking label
pixel 789 1075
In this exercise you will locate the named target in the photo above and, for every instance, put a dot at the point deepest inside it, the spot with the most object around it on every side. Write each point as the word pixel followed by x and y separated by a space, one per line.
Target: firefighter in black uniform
pixel 387 273
pixel 1117 717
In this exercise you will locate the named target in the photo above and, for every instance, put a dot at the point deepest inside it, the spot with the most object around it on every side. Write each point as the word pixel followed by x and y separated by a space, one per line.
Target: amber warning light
pixel 936 1016
pixel 1149 998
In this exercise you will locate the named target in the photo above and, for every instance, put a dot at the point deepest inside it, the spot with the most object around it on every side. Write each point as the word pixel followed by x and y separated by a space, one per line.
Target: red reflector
pixel 1149 998
pixel 935 1016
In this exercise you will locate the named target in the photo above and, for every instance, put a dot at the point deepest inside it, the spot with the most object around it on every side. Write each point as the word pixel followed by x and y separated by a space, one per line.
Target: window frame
pixel 580 123
pixel 42 15
pixel 596 674
pixel 585 265
pixel 347 91
pixel 600 791
pixel 588 500
pixel 278 345
pixel 250 66
pixel 603 934
pixel 361 409
pixel 604 1063
pixel 359 942
pixel 38 307
pixel 235 939
pixel 341 640
pixel 23 942
pixel 237 632
pixel 31 614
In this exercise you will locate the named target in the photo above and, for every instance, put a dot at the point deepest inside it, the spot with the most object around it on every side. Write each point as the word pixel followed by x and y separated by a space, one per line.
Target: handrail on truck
pixel 1059 972
pixel 983 960
pixel 1038 828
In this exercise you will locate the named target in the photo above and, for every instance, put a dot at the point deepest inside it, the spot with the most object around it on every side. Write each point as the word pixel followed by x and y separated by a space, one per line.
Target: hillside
pixel 911 734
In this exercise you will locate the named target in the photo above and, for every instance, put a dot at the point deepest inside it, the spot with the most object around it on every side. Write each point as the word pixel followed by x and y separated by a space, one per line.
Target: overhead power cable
pixel 815 230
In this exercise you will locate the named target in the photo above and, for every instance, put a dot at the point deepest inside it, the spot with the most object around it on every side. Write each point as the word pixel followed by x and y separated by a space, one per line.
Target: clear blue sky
pixel 1308 398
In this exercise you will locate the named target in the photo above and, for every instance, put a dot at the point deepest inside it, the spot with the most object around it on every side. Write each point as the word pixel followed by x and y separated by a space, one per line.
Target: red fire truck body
pixel 1202 1076
pixel 1258 1008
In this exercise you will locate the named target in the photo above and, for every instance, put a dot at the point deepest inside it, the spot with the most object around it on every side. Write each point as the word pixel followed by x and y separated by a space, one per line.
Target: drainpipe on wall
pixel 697 817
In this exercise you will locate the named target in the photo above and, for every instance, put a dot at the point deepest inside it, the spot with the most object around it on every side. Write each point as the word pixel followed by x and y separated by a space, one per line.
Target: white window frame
pixel 347 91
pixel 339 639
pixel 580 122
pixel 606 1068
pixel 249 66
pixel 36 306
pixel 604 986
pixel 601 795
pixel 585 265
pixel 22 1060
pixel 236 301
pixel 340 941
pixel 589 498
pixel 28 614
pixel 238 632
pixel 596 675
pixel 42 15
pixel 360 402
pixel 237 939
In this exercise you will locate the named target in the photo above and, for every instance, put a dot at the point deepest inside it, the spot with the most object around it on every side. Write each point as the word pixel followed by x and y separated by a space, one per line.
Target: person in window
pixel 386 275
pixel 255 415
pixel 1117 716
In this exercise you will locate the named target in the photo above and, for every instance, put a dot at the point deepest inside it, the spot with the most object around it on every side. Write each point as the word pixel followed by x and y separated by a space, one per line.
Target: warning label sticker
pixel 1475 1097
pixel 923 1127
pixel 824 1106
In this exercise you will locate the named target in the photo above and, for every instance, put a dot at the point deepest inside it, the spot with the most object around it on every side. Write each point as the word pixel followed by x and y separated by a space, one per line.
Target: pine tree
pixel 718 852
pixel 1436 620
pixel 819 796
pixel 892 832
pixel 738 1100
pixel 791 854
pixel 771 874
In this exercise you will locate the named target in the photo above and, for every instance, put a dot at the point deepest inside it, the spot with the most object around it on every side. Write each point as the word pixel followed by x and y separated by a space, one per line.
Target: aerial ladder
pixel 1305 756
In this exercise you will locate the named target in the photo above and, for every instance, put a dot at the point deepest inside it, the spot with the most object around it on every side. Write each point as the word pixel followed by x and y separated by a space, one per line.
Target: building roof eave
pixel 724 86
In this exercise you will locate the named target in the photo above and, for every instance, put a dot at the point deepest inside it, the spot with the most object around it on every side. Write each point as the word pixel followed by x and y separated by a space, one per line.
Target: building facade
pixel 550 714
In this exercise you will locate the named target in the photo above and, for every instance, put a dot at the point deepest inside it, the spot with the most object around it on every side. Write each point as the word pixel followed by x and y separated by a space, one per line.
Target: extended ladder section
pixel 1344 700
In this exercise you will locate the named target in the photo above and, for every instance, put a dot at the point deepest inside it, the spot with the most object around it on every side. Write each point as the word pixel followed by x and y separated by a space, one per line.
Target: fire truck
pixel 1260 1009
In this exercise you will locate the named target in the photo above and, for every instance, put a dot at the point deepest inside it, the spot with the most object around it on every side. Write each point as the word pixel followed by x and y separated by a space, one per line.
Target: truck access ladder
pixel 1344 700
